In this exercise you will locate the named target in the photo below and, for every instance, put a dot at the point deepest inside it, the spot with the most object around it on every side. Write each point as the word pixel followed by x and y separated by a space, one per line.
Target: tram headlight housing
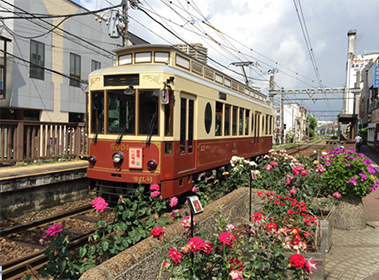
pixel 92 160
pixel 151 165
pixel 117 157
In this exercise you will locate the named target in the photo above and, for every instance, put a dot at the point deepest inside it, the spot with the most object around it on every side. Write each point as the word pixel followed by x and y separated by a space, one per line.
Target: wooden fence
pixel 22 140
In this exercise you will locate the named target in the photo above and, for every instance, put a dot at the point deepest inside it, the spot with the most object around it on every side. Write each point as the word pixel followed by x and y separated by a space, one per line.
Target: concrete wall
pixel 142 261
pixel 30 193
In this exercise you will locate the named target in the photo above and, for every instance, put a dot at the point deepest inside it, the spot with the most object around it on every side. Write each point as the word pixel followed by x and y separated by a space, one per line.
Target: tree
pixel 311 125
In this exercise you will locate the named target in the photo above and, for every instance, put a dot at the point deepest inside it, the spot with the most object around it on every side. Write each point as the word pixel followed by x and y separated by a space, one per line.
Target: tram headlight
pixel 117 157
pixel 92 160
pixel 151 165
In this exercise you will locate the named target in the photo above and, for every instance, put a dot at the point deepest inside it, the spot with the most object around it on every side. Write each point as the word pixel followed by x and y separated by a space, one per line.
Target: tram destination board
pixel 121 80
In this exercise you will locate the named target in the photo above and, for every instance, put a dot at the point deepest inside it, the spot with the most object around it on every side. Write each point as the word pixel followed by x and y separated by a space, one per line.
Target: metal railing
pixel 22 140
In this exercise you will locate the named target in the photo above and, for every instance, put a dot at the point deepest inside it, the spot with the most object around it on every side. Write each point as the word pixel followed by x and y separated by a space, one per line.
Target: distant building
pixel 354 70
pixel 369 102
pixel 49 59
pixel 195 50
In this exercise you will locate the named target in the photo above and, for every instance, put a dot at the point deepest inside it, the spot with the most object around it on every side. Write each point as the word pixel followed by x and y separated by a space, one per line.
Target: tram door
pixel 187 149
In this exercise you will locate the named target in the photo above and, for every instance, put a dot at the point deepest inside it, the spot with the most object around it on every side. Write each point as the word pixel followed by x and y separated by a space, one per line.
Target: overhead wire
pixel 45 68
pixel 110 54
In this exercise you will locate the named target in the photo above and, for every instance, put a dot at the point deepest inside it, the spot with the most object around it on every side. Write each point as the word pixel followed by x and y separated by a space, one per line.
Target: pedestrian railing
pixel 22 140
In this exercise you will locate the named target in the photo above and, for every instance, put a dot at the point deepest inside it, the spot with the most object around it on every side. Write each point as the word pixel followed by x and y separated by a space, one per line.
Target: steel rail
pixel 43 221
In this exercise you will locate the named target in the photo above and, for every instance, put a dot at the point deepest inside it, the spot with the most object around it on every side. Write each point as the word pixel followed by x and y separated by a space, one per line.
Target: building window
pixel 74 70
pixel 95 65
pixel 37 58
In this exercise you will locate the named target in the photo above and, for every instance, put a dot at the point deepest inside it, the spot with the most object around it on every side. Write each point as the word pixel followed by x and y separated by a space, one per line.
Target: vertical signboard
pixel 135 158
pixel 376 77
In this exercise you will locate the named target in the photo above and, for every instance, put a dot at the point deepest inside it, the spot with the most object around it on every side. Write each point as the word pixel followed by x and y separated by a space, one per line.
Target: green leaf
pixel 105 245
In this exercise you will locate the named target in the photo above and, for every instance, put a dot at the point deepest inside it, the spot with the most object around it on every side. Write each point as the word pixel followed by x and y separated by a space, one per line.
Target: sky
pixel 269 33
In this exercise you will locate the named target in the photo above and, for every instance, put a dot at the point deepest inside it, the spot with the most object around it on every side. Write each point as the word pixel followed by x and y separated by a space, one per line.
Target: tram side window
pixel 183 115
pixel 169 119
pixel 252 123
pixel 241 119
pixel 190 125
pixel 97 112
pixel 247 115
pixel 267 124
pixel 258 127
pixel 148 112
pixel 263 124
pixel 218 119
pixel 227 120
pixel 271 119
pixel 234 120
pixel 121 112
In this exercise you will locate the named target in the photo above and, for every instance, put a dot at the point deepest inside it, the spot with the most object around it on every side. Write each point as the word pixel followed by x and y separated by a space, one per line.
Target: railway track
pixel 16 268
pixel 306 149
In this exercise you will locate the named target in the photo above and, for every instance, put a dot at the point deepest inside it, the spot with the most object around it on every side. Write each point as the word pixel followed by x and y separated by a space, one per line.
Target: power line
pixel 110 56
pixel 44 68
pixel 40 16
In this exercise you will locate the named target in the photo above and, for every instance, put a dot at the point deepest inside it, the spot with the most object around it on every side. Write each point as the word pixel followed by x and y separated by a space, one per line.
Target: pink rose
pixel 194 189
pixel 293 191
pixel 173 201
pixel 337 195
pixel 155 194
pixel 99 204
pixel 269 167
pixel 274 163
pixel 154 187
pixel 288 182
pixel 53 229
pixel 304 173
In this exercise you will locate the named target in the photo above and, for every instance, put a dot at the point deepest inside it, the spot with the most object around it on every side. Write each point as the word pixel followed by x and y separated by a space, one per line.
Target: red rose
pixel 175 255
pixel 196 244
pixel 207 248
pixel 157 232
pixel 304 173
pixel 227 238
pixel 271 226
pixel 297 260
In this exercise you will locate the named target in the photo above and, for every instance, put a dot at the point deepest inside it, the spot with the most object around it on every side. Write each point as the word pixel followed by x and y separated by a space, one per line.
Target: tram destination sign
pixel 121 80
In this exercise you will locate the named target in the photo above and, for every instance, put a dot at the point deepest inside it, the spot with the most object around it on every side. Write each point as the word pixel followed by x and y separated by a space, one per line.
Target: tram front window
pixel 148 106
pixel 121 112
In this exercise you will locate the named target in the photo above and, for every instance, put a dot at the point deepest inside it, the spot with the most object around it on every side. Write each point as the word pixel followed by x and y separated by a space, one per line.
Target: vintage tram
pixel 163 117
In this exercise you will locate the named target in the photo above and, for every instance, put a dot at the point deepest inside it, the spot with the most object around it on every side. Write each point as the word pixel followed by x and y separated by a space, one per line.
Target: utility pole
pixel 282 115
pixel 124 31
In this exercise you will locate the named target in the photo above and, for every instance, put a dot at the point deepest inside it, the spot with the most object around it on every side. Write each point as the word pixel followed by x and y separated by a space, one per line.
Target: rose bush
pixel 251 252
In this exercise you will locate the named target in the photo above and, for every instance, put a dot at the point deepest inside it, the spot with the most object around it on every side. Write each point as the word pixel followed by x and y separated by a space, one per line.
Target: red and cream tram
pixel 162 117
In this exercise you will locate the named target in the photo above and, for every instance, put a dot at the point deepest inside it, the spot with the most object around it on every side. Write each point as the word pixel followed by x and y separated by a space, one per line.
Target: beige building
pixel 195 50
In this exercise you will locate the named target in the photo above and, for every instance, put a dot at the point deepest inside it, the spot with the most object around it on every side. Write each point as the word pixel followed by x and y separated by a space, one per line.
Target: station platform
pixel 15 172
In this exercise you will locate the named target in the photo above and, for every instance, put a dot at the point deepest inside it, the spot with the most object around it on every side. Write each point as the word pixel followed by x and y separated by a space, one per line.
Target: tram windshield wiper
pixel 119 138
pixel 151 129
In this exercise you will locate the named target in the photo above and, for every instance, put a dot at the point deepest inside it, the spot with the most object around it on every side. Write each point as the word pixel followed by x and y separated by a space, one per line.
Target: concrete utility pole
pixel 282 114
pixel 124 32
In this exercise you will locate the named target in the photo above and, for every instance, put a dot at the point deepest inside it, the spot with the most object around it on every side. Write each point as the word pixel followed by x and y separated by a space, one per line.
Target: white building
pixel 49 58
pixel 291 117
pixel 355 63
